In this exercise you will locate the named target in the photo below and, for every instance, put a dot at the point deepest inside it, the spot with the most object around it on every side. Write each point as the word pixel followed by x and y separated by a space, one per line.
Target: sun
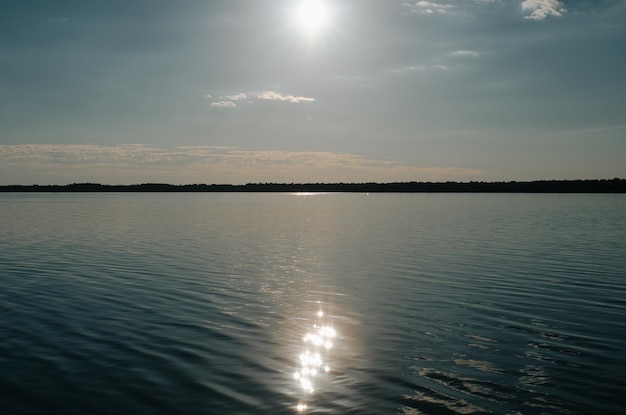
pixel 311 16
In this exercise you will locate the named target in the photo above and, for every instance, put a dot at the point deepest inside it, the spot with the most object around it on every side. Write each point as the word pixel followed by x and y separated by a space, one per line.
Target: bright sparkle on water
pixel 312 360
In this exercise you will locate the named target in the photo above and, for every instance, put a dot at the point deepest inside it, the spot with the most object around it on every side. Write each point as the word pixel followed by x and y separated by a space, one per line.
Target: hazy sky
pixel 234 91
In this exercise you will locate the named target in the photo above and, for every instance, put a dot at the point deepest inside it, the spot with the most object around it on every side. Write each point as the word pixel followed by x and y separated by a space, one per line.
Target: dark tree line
pixel 541 186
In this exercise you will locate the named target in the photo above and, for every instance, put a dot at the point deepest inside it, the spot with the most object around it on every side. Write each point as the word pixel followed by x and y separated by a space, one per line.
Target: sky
pixel 293 91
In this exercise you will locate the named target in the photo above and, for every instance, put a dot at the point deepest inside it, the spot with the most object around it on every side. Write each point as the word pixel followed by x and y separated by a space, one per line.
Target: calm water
pixel 208 304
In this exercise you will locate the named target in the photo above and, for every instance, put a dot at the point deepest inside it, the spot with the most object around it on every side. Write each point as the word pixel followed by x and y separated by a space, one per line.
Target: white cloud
pixel 470 53
pixel 277 96
pixel 420 68
pixel 540 9
pixel 225 104
pixel 535 9
pixel 235 97
pixel 229 101
pixel 429 7
pixel 431 4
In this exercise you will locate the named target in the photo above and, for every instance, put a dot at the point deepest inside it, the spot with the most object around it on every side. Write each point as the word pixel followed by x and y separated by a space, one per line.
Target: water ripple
pixel 440 304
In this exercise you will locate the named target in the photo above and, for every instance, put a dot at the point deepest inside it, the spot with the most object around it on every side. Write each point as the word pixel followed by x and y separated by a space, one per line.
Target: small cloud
pixel 410 68
pixel 235 97
pixel 229 101
pixel 277 96
pixel 431 4
pixel 420 68
pixel 429 7
pixel 470 53
pixel 541 9
pixel 59 20
pixel 225 104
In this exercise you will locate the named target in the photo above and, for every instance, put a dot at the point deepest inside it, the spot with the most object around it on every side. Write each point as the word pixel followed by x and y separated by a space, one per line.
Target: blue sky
pixel 234 91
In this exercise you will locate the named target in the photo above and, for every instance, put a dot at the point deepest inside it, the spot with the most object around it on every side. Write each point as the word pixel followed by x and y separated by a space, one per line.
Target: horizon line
pixel 615 185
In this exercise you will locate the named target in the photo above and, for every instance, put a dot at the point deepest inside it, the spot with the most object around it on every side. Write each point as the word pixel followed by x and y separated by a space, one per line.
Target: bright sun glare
pixel 311 15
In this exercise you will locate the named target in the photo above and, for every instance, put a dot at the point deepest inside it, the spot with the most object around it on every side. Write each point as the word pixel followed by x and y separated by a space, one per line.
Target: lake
pixel 276 303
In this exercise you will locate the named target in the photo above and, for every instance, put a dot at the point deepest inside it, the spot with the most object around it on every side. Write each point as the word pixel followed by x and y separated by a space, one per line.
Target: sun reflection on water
pixel 313 360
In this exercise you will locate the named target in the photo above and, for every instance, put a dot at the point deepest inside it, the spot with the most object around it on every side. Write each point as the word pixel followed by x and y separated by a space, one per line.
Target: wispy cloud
pixel 230 101
pixel 46 164
pixel 591 130
pixel 235 97
pixel 224 104
pixel 540 9
pixel 429 7
pixel 420 68
pixel 469 53
pixel 277 96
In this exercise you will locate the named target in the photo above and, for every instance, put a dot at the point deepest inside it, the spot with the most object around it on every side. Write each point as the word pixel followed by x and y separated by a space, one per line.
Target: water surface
pixel 202 303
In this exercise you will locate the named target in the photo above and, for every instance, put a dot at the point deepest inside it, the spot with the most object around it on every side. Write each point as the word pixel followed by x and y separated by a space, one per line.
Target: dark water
pixel 201 304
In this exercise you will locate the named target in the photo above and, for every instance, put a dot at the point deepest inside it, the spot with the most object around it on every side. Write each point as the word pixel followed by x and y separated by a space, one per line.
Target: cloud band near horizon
pixel 136 163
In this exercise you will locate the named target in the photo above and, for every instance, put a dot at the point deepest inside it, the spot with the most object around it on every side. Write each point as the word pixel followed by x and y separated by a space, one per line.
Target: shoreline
pixel 540 186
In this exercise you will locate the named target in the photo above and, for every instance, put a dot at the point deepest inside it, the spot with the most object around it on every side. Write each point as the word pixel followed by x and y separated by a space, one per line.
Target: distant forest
pixel 542 186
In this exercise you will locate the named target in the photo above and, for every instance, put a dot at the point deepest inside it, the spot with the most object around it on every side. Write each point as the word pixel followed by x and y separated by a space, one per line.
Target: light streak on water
pixel 313 360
